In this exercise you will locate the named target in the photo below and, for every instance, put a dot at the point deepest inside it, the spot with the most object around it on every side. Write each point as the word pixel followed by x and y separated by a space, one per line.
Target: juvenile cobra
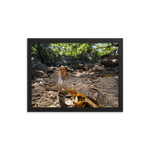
pixel 60 81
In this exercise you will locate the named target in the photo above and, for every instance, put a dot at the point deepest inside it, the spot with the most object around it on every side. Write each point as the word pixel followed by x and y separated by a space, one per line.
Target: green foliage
pixel 82 51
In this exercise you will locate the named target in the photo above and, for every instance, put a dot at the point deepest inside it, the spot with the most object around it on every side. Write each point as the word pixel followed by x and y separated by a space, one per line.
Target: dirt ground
pixel 103 89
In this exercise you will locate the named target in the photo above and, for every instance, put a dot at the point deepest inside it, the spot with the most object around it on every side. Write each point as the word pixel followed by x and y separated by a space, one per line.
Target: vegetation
pixel 74 51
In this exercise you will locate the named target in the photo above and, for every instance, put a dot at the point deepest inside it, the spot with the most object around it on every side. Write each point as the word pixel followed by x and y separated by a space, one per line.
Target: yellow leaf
pixel 108 75
pixel 79 95
pixel 72 97
pixel 80 104
pixel 75 83
pixel 66 91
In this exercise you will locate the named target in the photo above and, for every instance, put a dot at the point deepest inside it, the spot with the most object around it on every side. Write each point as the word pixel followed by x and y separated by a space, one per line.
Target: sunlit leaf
pixel 80 95
pixel 72 92
pixel 107 75
pixel 80 104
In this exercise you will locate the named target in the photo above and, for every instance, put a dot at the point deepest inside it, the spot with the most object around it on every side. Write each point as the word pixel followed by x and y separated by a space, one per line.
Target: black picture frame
pixel 76 40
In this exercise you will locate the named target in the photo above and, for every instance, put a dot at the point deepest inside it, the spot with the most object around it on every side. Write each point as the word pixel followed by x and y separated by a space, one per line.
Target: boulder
pixel 37 65
pixel 109 62
pixel 37 73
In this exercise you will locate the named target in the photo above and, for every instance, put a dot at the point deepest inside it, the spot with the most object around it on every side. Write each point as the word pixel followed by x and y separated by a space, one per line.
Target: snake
pixel 60 81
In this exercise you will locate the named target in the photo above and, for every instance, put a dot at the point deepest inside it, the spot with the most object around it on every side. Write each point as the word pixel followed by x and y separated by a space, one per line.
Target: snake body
pixel 60 80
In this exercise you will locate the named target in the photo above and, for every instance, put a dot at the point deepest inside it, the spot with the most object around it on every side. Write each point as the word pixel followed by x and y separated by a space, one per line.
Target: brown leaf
pixel 80 104
pixel 103 75
pixel 80 95
pixel 91 102
pixel 73 92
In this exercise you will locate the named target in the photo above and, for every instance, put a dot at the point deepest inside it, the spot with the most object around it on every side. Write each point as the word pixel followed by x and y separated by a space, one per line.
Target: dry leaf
pixel 91 102
pixel 68 102
pixel 80 104
pixel 73 92
pixel 80 96
pixel 107 75
pixel 95 95
pixel 72 97
pixel 66 91
pixel 103 75
pixel 75 83
pixel 75 99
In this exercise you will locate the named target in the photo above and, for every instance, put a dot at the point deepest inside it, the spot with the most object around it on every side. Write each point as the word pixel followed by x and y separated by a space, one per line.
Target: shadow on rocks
pixel 62 100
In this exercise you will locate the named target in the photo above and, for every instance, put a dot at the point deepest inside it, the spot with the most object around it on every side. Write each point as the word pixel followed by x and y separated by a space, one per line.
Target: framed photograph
pixel 68 75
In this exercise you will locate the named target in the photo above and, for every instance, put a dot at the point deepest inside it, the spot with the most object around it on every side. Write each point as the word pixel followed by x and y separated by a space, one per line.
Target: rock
pixel 68 95
pixel 69 69
pixel 67 62
pixel 79 61
pixel 37 65
pixel 110 59
pixel 45 76
pixel 37 73
pixel 81 66
pixel 109 62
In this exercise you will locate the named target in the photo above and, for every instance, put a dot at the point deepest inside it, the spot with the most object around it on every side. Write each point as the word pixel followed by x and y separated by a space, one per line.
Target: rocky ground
pixel 94 84
pixel 98 81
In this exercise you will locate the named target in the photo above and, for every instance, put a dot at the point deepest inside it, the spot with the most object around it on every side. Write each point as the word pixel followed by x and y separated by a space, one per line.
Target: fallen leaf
pixel 103 75
pixel 95 95
pixel 107 75
pixel 91 102
pixel 75 99
pixel 80 104
pixel 66 91
pixel 72 92
pixel 75 83
pixel 80 95
pixel 72 97
pixel 68 102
